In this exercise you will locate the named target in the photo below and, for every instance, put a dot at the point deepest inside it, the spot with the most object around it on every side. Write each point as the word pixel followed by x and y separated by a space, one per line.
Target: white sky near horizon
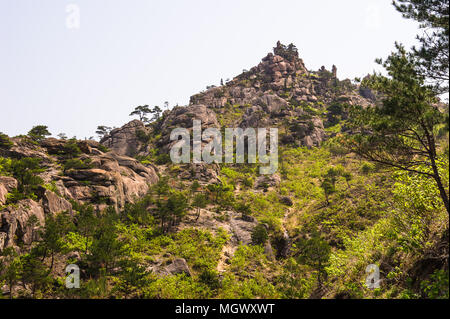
pixel 135 52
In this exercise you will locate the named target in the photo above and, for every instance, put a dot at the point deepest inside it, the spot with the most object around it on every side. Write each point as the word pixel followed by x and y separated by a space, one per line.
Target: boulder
pixel 266 181
pixel 124 140
pixel 54 204
pixel 8 182
pixel 268 251
pixel 14 222
pixel 3 193
pixel 114 178
pixel 178 266
pixel 242 229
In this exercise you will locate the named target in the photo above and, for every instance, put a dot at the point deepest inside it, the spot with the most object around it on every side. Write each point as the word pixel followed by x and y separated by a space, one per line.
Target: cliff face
pixel 100 178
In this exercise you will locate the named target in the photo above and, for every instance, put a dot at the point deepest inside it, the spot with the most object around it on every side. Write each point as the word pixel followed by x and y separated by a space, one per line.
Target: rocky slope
pixel 109 179
pixel 279 92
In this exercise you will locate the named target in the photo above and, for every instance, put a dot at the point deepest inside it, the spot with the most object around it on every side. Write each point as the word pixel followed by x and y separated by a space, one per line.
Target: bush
pixel 248 182
pixel 5 142
pixel 142 136
pixel 259 235
pixel 210 278
pixel 163 159
pixel 71 149
pixel 103 148
pixel 366 168
pixel 39 132
pixel 77 163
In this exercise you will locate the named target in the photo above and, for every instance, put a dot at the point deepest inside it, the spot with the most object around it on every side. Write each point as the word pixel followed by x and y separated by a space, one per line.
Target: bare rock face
pixel 7 184
pixel 3 193
pixel 113 180
pixel 242 229
pixel 183 117
pixel 266 181
pixel 207 173
pixel 125 140
pixel 54 204
pixel 280 91
pixel 23 147
pixel 14 222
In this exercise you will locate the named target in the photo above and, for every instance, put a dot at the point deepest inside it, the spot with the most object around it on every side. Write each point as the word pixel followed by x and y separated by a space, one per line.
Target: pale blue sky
pixel 134 52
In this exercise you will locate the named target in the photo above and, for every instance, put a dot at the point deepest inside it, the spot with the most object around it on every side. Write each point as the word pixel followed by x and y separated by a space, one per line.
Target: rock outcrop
pixel 106 179
pixel 112 180
pixel 178 266
pixel 183 117
pixel 126 140
pixel 16 224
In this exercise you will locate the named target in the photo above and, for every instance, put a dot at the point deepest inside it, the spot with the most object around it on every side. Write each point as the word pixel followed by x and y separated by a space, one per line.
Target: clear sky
pixel 127 53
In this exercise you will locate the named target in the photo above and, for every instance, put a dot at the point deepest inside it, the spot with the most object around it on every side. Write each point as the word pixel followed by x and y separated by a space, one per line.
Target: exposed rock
pixel 178 266
pixel 14 222
pixel 54 204
pixel 266 181
pixel 115 179
pixel 8 182
pixel 3 237
pixel 268 251
pixel 280 88
pixel 124 140
pixel 207 173
pixel 183 117
pixel 242 230
pixel 53 145
pixel 3 193
pixel 23 147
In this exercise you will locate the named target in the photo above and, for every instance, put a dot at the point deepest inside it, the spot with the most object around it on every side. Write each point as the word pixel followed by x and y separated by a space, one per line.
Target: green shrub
pixel 259 235
pixel 162 159
pixel 367 168
pixel 5 142
pixel 77 163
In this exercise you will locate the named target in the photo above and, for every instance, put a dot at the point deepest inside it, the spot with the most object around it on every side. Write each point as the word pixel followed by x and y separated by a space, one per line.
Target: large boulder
pixel 178 266
pixel 7 184
pixel 242 229
pixel 183 117
pixel 15 227
pixel 125 140
pixel 54 204
pixel 113 180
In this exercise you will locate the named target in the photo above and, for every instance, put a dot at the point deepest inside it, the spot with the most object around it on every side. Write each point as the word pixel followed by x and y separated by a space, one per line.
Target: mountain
pixel 139 225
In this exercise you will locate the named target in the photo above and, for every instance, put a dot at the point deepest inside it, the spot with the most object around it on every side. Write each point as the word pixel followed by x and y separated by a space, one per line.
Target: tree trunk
pixel 441 188
pixel 51 264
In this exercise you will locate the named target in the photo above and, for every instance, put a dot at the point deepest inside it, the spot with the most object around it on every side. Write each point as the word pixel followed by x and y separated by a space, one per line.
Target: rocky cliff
pixel 100 177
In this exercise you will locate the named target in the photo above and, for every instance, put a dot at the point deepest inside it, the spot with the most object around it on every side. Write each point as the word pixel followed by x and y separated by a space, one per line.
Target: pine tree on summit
pixel 142 112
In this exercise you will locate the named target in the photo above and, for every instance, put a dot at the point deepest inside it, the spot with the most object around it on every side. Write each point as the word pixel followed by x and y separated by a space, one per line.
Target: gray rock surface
pixel 178 266
pixel 124 140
